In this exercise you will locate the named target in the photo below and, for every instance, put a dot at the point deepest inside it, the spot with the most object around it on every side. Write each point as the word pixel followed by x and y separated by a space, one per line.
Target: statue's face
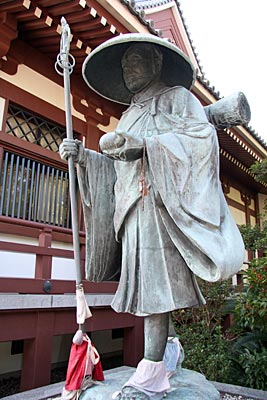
pixel 137 68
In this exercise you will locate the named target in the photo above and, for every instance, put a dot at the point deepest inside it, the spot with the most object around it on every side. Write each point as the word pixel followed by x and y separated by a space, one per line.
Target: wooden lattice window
pixel 34 129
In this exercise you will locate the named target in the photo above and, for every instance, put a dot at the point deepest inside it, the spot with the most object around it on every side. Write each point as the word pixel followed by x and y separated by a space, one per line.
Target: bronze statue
pixel 156 191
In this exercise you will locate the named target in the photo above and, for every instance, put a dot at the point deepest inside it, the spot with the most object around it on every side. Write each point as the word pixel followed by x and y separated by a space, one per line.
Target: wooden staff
pixel 64 66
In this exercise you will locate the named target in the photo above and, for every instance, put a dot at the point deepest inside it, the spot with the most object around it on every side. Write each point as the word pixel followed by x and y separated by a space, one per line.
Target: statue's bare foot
pixel 130 393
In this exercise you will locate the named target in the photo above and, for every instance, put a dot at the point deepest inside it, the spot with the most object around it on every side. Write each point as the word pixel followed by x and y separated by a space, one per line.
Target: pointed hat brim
pixel 102 69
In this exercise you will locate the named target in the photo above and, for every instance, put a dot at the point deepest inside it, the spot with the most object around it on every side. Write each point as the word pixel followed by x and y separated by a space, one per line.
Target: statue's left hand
pixel 121 146
pixel 110 142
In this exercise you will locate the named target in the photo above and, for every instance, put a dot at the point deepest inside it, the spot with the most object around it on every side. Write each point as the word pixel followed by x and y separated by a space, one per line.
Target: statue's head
pixel 128 63
pixel 141 65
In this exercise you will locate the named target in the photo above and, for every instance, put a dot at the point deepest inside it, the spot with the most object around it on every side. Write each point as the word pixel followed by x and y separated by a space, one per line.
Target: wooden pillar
pixel 3 113
pixel 37 355
pixel 257 209
pixel 8 32
pixel 239 278
pixel 93 136
pixel 43 266
pixel 83 256
pixel 225 186
pixel 1 156
pixel 246 198
pixel 133 344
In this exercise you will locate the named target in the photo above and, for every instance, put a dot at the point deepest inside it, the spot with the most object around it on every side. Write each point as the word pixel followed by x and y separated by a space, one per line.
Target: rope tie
pixel 142 181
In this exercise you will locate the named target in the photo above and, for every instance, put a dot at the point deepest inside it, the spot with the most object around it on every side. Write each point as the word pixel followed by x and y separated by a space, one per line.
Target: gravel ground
pixel 227 396
pixel 224 396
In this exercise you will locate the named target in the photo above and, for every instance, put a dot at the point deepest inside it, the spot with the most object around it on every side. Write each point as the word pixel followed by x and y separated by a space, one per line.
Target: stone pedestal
pixel 185 385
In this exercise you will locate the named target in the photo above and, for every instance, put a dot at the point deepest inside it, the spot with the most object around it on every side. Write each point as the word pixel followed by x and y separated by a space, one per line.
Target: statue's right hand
pixel 70 147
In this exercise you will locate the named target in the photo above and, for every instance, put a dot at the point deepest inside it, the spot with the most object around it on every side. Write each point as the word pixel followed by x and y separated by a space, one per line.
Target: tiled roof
pixel 140 14
pixel 144 4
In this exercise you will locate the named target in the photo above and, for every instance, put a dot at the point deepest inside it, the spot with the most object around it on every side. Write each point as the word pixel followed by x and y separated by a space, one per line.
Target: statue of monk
pixel 155 191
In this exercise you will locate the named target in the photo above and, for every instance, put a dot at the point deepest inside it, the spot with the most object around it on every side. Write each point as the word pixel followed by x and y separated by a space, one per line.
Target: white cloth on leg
pixel 150 378
pixel 173 356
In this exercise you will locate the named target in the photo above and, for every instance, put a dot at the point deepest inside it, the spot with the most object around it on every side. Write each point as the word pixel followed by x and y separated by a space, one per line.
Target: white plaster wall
pixel 40 86
pixel 18 239
pixel 111 127
pixel 245 266
pixel 62 245
pixel 8 362
pixel 234 194
pixel 252 205
pixel 238 215
pixel 252 220
pixel 2 108
pixel 17 265
pixel 262 198
pixel 22 265
pixel 234 280
pixel 63 268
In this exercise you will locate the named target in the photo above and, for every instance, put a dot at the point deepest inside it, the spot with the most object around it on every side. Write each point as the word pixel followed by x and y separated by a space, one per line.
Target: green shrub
pixel 249 350
pixel 201 334
pixel 254 364
pixel 260 170
pixel 249 367
pixel 251 307
pixel 205 352
pixel 239 355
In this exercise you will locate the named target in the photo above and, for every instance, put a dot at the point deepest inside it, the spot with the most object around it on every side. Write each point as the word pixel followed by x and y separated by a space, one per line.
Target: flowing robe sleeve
pixel 96 177
pixel 184 163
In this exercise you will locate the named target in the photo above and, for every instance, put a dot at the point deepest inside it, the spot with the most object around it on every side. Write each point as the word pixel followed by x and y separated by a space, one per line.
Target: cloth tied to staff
pixel 82 312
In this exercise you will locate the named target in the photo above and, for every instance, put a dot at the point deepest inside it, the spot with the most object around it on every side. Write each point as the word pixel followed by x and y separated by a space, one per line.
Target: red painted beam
pixel 35 286
pixel 22 325
pixel 17 325
pixel 31 249
pixel 31 224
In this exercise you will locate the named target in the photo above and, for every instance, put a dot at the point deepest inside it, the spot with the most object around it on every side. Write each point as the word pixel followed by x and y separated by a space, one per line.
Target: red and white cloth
pixel 84 361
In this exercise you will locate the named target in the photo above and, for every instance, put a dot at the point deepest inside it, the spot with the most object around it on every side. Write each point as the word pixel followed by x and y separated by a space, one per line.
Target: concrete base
pixel 185 384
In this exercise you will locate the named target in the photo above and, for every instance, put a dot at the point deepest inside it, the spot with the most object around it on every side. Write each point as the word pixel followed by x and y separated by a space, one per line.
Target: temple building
pixel 37 271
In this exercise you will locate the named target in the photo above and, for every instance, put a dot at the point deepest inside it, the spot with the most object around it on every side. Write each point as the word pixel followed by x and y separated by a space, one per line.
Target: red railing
pixel 44 256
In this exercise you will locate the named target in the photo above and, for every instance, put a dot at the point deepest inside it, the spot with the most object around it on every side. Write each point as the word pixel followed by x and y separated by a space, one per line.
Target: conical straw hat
pixel 102 69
